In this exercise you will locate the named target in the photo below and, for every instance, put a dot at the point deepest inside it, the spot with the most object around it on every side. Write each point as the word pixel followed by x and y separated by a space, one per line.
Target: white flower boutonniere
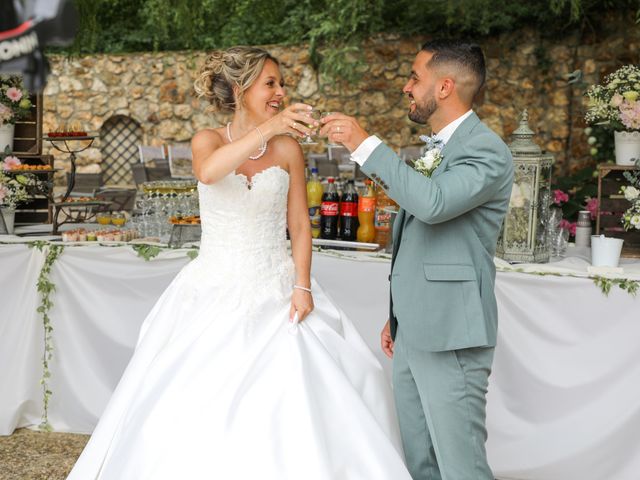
pixel 431 159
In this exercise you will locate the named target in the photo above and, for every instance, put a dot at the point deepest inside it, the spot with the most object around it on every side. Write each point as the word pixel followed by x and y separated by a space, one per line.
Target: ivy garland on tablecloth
pixel 52 251
pixel 46 287
pixel 603 283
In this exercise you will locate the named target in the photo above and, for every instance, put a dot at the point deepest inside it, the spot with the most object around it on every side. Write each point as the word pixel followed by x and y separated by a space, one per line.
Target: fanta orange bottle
pixel 366 214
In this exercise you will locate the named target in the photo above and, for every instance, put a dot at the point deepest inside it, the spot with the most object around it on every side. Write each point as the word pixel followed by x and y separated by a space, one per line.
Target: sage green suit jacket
pixel 445 235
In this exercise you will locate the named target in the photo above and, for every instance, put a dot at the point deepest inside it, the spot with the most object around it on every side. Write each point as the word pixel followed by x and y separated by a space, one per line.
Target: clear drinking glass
pixel 330 144
pixel 308 140
pixel 559 242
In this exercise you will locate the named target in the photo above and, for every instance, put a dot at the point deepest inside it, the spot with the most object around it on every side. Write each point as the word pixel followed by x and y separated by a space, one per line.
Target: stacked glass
pixel 161 200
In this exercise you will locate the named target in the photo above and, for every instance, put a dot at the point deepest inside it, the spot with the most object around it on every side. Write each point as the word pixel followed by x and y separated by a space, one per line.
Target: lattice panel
pixel 119 136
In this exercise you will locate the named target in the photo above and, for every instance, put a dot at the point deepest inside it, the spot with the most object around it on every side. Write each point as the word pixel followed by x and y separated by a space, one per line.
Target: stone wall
pixel 525 70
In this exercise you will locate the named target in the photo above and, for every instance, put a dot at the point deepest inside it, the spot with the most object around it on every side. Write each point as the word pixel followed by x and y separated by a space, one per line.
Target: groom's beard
pixel 423 112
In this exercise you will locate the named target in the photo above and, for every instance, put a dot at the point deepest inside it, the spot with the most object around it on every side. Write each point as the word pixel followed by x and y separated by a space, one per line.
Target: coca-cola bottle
pixel 329 209
pixel 349 213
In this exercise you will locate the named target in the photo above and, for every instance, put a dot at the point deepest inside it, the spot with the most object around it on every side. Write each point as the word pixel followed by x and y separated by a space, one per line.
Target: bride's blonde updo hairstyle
pixel 225 69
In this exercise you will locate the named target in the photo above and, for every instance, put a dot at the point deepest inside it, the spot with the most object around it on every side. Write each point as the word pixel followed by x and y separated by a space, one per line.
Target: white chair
pixel 180 160
pixel 151 154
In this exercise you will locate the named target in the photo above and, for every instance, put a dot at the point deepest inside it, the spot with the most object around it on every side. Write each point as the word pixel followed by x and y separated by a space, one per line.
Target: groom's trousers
pixel 441 399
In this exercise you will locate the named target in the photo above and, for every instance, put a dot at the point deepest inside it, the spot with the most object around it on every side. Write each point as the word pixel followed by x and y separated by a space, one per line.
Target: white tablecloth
pixel 564 395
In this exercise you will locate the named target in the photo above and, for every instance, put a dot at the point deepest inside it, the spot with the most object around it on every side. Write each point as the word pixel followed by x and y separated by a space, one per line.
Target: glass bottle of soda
pixel 329 210
pixel 314 200
pixel 382 220
pixel 349 213
pixel 366 213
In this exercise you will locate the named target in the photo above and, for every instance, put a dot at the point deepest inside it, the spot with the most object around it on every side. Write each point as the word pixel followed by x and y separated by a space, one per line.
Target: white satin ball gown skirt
pixel 208 395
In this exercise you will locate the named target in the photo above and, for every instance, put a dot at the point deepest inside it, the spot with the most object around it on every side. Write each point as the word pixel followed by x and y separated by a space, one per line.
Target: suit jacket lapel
pixel 461 132
pixel 398 225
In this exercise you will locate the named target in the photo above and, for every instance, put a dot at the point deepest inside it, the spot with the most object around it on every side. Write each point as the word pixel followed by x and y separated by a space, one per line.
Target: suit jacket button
pixel 389 277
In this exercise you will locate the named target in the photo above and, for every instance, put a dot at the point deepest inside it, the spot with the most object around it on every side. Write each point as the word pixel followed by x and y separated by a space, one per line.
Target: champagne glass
pixel 307 140
pixel 330 144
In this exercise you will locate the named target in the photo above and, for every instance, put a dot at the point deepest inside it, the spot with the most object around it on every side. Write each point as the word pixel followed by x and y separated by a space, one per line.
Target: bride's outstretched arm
pixel 214 158
pixel 299 228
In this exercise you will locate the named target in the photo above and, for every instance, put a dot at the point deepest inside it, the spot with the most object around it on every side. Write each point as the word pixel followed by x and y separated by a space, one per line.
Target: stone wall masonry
pixel 525 70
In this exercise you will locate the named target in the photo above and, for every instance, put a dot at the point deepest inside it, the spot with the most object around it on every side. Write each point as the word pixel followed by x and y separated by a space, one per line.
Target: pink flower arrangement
pixel 14 94
pixel 566 224
pixel 592 206
pixel 616 102
pixel 10 162
pixel 560 197
pixel 14 100
pixel 630 114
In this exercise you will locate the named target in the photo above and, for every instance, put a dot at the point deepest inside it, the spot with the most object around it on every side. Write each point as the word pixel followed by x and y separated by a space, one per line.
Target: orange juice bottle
pixel 314 200
pixel 366 214
pixel 382 220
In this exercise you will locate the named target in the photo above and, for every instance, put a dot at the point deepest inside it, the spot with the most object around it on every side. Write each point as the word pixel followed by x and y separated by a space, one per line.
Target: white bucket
pixel 605 251
pixel 627 147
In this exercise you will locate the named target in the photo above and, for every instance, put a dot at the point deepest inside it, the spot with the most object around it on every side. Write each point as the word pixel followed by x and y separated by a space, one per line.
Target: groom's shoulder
pixel 482 134
pixel 481 129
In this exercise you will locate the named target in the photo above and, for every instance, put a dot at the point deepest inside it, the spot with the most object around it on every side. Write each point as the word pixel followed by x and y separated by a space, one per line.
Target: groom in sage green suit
pixel 442 323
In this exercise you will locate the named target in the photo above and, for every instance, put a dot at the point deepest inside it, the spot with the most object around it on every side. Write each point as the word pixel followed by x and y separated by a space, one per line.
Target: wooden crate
pixel 612 205
pixel 39 208
pixel 27 139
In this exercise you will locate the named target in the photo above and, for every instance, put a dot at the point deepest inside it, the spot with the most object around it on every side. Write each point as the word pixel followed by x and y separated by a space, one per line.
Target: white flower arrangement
pixel 431 159
pixel 13 188
pixel 631 218
pixel 616 102
pixel 14 100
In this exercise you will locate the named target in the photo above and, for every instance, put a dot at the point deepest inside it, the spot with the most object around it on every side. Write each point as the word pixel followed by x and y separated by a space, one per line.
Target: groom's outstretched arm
pixel 473 179
pixel 466 184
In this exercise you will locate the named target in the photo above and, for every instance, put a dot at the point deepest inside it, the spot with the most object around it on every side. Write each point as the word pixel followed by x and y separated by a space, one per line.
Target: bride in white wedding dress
pixel 222 384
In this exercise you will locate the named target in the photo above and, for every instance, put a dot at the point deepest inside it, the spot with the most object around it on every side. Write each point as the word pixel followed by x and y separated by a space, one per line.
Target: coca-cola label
pixel 329 209
pixel 382 220
pixel 349 209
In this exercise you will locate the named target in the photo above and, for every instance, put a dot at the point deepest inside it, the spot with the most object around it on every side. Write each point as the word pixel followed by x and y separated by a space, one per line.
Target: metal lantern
pixel 524 232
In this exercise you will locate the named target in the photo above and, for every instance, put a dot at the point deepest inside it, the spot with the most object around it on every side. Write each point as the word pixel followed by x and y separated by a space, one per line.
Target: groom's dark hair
pixel 463 60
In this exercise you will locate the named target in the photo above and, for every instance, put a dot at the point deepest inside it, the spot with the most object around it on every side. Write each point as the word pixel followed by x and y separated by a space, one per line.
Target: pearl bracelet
pixel 299 287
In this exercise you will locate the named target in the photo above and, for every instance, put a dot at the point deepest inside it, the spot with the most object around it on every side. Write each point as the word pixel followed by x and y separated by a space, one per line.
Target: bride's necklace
pixel 261 150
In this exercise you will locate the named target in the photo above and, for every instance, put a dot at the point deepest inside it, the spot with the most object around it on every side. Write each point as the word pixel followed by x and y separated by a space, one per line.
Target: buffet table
pixel 564 395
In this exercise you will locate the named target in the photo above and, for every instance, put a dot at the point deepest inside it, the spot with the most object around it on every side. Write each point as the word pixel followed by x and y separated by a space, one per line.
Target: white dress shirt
pixel 366 148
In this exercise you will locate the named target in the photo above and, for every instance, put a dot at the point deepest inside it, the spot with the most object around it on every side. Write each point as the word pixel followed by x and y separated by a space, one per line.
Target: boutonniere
pixel 431 158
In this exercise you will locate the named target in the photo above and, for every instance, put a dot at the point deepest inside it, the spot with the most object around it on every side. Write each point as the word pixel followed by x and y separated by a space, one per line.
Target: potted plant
pixel 615 103
pixel 13 190
pixel 14 105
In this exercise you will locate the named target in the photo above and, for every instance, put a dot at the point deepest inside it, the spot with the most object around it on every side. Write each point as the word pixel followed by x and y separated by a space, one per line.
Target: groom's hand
pixel 340 128
pixel 386 341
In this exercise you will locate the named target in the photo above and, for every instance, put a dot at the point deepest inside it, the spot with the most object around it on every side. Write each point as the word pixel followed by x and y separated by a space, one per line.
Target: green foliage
pixel 332 28
pixel 580 186
pixel 605 284
pixel 46 288
pixel 147 251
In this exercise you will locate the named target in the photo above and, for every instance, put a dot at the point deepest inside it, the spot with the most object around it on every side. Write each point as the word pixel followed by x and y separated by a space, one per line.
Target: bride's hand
pixel 301 302
pixel 293 120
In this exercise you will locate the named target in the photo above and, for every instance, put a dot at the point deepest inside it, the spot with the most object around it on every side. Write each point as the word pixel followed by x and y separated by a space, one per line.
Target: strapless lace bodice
pixel 245 218
pixel 243 250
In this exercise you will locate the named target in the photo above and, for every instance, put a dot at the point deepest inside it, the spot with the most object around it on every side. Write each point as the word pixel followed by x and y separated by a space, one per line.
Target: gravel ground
pixel 34 455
